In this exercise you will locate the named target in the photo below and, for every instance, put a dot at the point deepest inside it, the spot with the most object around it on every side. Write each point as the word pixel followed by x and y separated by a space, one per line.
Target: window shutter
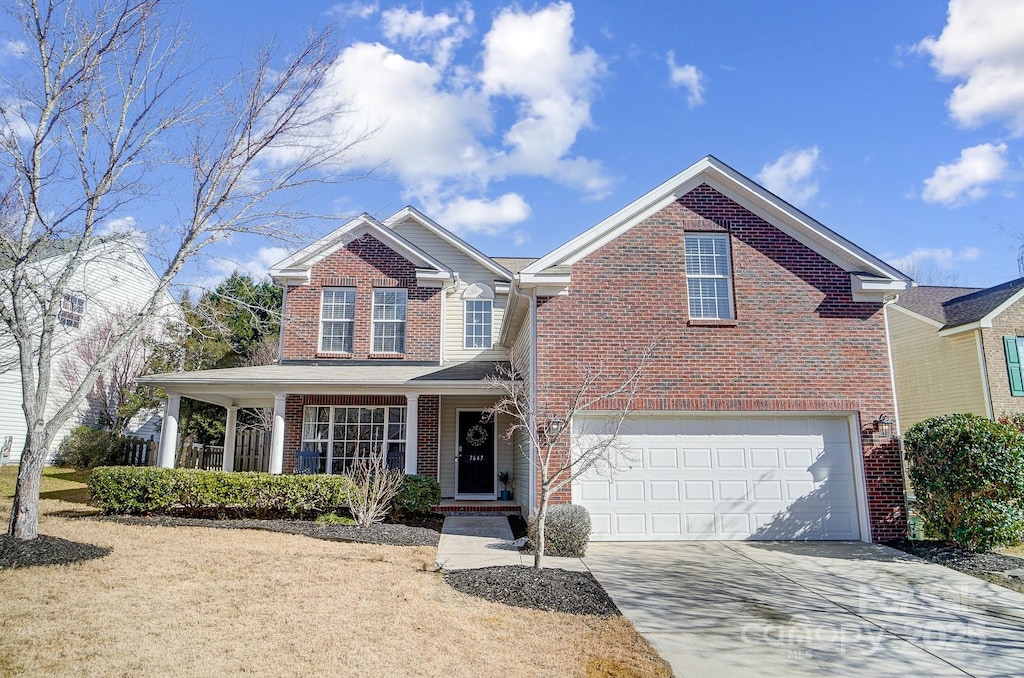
pixel 1013 366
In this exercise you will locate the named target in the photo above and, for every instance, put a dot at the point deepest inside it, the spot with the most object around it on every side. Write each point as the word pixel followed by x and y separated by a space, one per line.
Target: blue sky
pixel 896 124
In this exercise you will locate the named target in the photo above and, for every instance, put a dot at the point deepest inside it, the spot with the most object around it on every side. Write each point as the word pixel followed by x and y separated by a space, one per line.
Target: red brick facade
pixel 363 264
pixel 798 343
pixel 1009 323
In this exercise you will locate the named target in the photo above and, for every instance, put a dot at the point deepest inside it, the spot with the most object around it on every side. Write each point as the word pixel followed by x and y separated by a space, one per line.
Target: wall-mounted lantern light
pixel 884 426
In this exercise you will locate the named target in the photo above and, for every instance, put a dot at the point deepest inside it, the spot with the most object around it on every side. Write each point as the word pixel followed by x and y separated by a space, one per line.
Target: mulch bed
pixel 988 565
pixel 546 589
pixel 45 550
pixel 389 534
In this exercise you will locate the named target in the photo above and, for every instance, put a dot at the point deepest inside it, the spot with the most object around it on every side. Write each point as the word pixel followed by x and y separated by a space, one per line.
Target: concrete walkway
pixel 810 609
pixel 469 542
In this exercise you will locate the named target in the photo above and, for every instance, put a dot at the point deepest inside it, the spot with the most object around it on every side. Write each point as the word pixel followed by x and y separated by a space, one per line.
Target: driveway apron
pixel 810 609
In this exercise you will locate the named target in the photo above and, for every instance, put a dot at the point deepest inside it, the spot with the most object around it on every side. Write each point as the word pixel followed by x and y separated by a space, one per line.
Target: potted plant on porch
pixel 505 478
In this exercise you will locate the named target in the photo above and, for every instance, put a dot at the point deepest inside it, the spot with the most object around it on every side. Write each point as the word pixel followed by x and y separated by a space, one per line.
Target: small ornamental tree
pixel 968 477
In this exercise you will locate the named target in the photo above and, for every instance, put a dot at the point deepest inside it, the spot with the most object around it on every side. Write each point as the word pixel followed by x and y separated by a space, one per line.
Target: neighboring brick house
pixel 958 349
pixel 770 370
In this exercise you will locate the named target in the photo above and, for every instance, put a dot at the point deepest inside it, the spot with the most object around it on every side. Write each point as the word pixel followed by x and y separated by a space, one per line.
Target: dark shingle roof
pixel 514 264
pixel 928 300
pixel 956 306
pixel 975 306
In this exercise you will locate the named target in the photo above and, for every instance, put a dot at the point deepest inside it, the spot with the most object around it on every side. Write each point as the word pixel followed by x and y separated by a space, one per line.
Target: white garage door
pixel 755 477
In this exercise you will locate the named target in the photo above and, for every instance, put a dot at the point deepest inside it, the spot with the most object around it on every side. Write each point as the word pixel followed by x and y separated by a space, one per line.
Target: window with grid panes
pixel 708 276
pixel 389 320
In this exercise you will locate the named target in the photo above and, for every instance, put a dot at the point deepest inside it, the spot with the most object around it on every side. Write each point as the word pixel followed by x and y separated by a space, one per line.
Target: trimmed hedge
pixel 419 494
pixel 148 490
pixel 968 479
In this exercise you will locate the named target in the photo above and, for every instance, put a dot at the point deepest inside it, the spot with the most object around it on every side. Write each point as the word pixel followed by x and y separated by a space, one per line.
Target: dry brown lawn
pixel 199 601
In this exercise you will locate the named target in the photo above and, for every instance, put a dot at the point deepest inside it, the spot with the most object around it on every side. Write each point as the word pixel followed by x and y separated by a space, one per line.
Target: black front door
pixel 476 453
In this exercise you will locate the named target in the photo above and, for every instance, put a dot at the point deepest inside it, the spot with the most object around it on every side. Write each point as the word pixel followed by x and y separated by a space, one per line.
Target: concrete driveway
pixel 810 608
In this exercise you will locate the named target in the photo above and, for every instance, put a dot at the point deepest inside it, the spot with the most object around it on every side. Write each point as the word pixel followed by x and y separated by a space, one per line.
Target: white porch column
pixel 230 425
pixel 277 434
pixel 169 431
pixel 411 419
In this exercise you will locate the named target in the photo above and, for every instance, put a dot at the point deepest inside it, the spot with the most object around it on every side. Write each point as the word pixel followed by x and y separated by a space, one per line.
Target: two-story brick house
pixel 771 367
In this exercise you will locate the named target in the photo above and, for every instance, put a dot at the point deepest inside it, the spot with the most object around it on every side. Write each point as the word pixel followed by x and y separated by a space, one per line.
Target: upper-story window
pixel 708 277
pixel 72 309
pixel 479 303
pixel 337 319
pixel 389 320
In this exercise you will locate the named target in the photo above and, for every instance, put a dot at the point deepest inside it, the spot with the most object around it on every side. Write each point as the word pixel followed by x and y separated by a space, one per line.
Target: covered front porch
pixel 425 419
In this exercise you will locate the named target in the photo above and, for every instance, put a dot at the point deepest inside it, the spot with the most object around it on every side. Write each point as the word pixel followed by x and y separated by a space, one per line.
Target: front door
pixel 475 453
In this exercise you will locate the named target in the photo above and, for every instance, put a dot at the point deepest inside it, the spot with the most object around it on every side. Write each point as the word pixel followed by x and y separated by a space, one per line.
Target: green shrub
pixel 145 490
pixel 566 531
pixel 968 478
pixel 88 447
pixel 335 519
pixel 419 494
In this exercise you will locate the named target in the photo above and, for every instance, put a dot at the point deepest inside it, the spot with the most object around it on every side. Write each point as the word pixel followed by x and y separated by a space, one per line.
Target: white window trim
pixel 730 309
pixel 69 316
pixel 329 457
pixel 351 322
pixel 374 323
pixel 466 324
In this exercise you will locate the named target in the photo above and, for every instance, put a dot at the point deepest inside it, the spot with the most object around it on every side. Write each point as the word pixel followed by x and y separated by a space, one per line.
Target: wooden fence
pixel 252 453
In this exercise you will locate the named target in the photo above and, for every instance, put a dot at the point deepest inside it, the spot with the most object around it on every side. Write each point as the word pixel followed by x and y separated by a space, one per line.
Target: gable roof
pixel 928 300
pixel 294 269
pixel 871 277
pixel 411 213
pixel 959 309
pixel 514 264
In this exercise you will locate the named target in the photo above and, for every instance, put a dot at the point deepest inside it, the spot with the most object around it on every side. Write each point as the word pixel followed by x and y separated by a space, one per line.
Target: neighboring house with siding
pixel 113 279
pixel 958 349
pixel 759 417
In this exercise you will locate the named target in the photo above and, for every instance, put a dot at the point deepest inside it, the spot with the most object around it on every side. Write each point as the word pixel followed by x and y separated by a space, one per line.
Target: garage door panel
pixel 663 458
pixel 721 482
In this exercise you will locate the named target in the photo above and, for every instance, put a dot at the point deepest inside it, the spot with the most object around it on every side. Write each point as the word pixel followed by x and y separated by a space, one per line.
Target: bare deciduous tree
pixel 106 107
pixel 562 456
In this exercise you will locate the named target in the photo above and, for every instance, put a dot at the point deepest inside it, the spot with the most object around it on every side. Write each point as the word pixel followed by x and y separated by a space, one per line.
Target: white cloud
pixel 966 178
pixel 483 216
pixel 687 76
pixel 256 266
pixel 530 58
pixel 981 46
pixel 15 48
pixel 124 226
pixel 437 34
pixel 791 177
pixel 356 9
pixel 935 265
pixel 434 123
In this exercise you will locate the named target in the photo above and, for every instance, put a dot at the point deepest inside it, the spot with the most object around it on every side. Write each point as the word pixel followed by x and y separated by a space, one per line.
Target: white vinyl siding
pixel 470 272
pixel 337 319
pixel 389 306
pixel 708 276
pixel 478 323
pixel 114 279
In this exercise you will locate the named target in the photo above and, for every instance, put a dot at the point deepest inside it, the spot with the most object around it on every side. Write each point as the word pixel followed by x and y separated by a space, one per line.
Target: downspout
pixel 907 496
pixel 532 319
pixel 986 388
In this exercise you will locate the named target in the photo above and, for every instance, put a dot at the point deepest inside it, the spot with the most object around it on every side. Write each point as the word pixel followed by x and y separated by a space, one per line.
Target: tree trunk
pixel 542 515
pixel 25 511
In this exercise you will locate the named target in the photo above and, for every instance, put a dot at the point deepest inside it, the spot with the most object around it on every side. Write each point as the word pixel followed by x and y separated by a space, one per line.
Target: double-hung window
pixel 337 319
pixel 389 320
pixel 72 309
pixel 708 276
pixel 478 323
